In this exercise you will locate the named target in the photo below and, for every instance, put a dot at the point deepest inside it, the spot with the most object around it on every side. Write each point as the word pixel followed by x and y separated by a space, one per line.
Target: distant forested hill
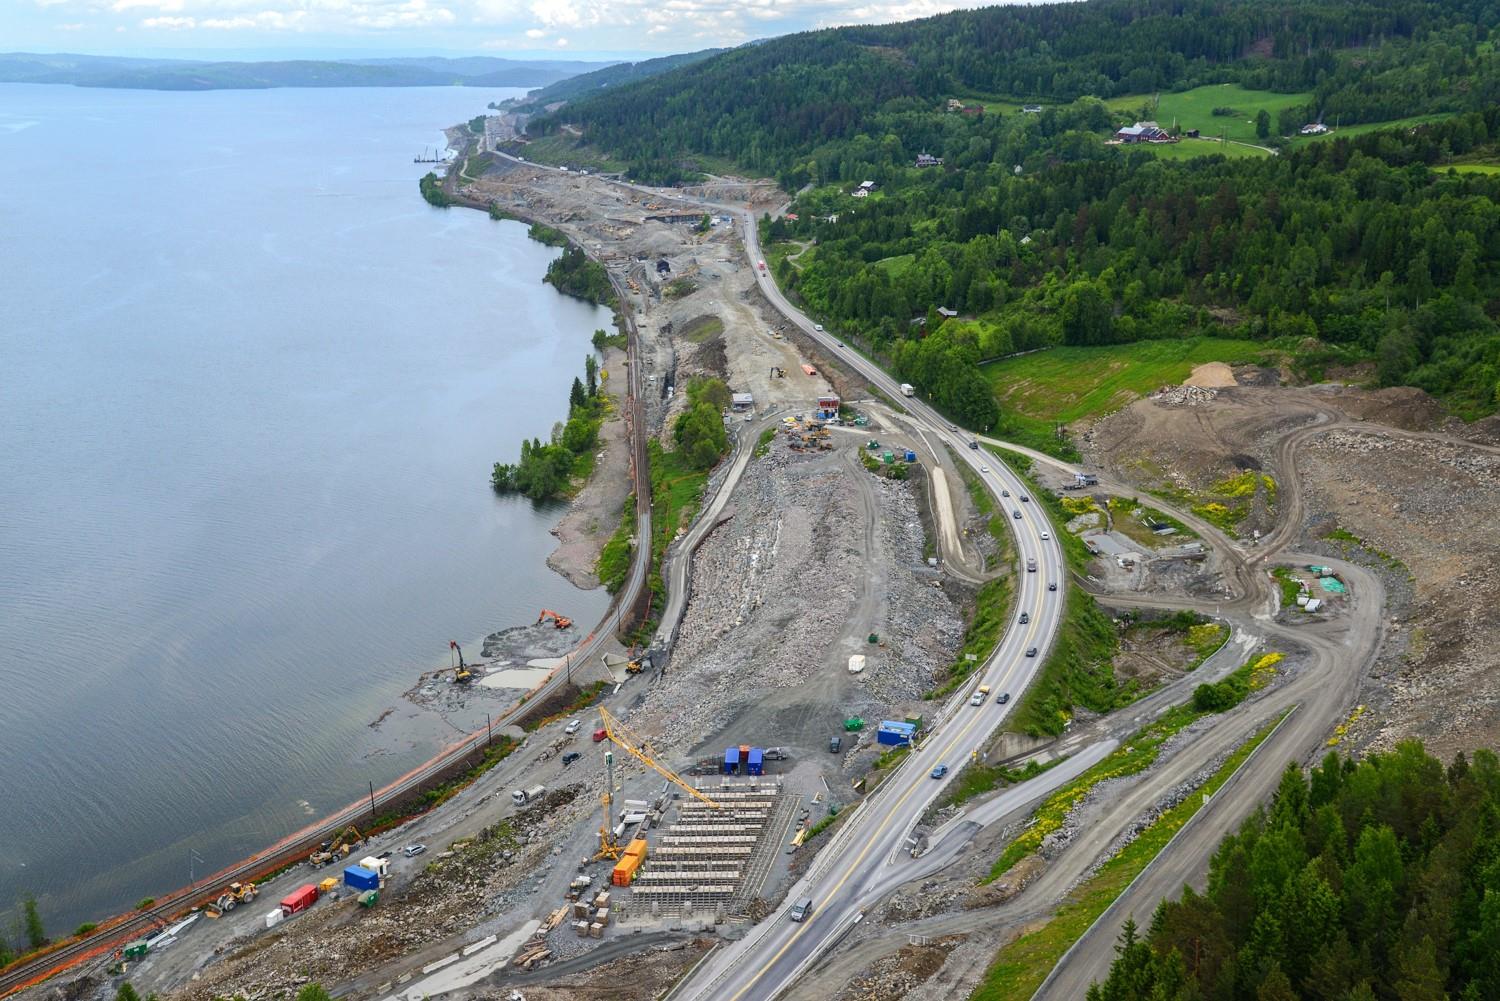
pixel 612 76
pixel 177 74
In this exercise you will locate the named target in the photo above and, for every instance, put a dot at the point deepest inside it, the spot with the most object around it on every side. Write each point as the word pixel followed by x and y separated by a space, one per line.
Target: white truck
pixel 523 796
pixel 907 389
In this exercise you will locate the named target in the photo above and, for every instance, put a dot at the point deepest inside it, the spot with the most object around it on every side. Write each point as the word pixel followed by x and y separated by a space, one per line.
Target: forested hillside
pixel 1362 247
pixel 1366 881
pixel 768 106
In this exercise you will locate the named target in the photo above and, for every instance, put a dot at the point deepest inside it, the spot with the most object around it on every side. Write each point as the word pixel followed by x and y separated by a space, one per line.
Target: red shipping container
pixel 299 899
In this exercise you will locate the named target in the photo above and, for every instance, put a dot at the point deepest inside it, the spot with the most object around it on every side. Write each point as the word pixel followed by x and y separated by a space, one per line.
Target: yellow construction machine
pixel 338 848
pixel 637 747
pixel 238 893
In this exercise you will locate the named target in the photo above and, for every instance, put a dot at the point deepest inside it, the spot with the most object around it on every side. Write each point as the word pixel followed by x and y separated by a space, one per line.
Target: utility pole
pixel 489 736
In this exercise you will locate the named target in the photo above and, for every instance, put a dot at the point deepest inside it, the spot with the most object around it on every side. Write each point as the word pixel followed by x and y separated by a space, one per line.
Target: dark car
pixel 1031 652
pixel 1052 586
pixel 940 771
pixel 571 757
pixel 1025 499
pixel 1025 617
pixel 1016 514
pixel 1003 698
pixel 973 444
pixel 834 743
pixel 1005 493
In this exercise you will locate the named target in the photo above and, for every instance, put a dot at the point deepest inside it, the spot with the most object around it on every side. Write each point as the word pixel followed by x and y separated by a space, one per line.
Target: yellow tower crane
pixel 637 747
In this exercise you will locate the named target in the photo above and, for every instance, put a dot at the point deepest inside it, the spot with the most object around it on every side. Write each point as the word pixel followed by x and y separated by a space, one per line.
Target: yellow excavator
pixel 461 674
pixel 338 848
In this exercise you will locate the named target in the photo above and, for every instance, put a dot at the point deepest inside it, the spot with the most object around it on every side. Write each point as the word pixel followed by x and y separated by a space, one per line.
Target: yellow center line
pixel 869 845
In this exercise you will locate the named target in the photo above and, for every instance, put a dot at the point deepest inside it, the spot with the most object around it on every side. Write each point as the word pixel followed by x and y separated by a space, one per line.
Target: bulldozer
pixel 560 621
pixel 238 893
pixel 338 848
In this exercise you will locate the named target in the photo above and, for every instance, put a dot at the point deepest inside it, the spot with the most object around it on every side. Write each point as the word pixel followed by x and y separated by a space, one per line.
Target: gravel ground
pixel 818 555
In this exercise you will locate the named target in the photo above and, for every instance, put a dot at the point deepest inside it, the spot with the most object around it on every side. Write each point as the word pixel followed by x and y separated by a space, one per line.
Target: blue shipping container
pixel 893 733
pixel 361 878
pixel 731 761
pixel 756 765
pixel 911 456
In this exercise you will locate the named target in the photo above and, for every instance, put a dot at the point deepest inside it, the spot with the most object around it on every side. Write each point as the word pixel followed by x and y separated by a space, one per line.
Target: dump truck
pixel 521 797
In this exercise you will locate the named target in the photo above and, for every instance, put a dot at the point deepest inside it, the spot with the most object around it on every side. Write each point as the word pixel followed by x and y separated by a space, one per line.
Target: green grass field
pixel 1190 149
pixel 1472 168
pixel 1066 384
pixel 1358 130
pixel 1193 109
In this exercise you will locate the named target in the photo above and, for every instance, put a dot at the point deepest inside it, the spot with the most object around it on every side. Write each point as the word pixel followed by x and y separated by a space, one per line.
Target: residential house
pixel 1313 129
pixel 1144 132
pixel 928 160
pixel 1031 109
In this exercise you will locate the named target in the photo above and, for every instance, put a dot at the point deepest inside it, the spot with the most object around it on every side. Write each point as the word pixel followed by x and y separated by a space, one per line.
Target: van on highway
pixel 801 909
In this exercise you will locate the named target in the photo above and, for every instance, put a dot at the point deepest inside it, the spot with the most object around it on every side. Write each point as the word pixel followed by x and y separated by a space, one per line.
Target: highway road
pixel 863 860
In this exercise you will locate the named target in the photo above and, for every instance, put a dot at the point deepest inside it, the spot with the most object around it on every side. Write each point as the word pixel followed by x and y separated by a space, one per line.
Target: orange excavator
pixel 560 621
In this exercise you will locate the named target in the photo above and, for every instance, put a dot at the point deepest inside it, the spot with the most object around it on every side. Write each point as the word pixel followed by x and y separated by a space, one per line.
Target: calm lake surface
pixel 251 386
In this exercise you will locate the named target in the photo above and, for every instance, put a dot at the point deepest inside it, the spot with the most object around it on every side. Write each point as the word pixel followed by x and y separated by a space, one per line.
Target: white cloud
pixel 72 26
pixel 561 42
pixel 535 33
pixel 170 23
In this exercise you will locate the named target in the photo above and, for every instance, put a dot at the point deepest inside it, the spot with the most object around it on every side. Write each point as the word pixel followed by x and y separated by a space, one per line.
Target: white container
pixel 857 664
pixel 274 918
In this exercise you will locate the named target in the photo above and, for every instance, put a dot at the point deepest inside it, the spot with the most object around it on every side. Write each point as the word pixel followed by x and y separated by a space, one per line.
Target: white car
pixel 574 727
pixel 1045 536
pixel 818 327
pixel 986 469
pixel 412 851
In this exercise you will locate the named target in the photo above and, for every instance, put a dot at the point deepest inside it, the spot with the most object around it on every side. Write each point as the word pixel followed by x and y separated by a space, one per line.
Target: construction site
pixel 830 588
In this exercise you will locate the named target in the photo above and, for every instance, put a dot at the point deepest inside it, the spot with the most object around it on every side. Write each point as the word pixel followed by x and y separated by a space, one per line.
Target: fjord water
pixel 250 389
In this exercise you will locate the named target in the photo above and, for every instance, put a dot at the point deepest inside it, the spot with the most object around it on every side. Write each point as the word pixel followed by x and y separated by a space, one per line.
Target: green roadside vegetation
pixel 476 125
pixel 679 288
pixel 992 608
pixel 984 502
pixel 1079 669
pixel 1020 967
pixel 550 470
pixel 976 779
pixel 763 445
pixel 886 470
pixel 493 753
pixel 613 565
pixel 501 214
pixel 586 697
pixel 1134 755
pixel 432 190
pixel 1224 695
pixel 548 235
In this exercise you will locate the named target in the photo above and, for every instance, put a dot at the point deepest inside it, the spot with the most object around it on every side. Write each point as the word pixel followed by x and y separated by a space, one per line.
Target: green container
pixel 874 638
pixel 368 898
pixel 915 721
pixel 854 723
pixel 136 949
pixel 888 458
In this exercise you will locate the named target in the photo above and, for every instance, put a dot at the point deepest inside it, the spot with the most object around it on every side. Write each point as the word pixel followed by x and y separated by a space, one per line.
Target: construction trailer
pixel 828 406
pixel 360 878
pixel 894 734
pixel 731 761
pixel 755 764
pixel 299 899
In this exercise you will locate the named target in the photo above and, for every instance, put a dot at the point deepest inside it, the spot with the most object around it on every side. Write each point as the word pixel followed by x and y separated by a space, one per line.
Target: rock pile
pixel 1184 396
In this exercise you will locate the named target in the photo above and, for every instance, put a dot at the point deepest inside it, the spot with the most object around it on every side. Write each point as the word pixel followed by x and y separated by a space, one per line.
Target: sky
pixel 567 29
